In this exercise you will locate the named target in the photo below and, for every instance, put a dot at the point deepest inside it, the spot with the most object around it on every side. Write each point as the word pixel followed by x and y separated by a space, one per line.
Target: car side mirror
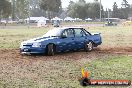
pixel 63 36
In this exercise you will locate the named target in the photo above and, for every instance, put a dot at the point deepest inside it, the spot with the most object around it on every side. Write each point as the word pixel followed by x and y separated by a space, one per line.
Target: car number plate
pixel 25 50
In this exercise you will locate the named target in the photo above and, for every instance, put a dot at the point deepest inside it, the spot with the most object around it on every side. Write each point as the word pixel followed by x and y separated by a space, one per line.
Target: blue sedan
pixel 61 40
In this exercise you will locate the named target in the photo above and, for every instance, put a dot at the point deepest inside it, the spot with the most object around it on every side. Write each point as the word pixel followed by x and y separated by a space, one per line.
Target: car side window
pixel 79 33
pixel 68 33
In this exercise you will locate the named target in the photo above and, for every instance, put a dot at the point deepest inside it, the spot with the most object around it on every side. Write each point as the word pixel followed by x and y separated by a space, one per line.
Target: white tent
pixel 57 19
pixel 41 23
pixel 88 19
pixel 43 18
pixel 36 19
pixel 78 19
pixel 69 19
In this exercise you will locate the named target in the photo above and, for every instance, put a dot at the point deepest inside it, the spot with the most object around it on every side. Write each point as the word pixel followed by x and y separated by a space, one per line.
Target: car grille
pixel 27 45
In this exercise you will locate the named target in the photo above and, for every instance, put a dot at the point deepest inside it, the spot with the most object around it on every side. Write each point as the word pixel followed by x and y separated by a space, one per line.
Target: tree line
pixel 122 12
pixel 83 10
pixel 21 9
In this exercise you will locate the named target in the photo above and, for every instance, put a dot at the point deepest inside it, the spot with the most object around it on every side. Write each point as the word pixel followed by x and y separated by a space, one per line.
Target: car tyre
pixel 89 46
pixel 50 50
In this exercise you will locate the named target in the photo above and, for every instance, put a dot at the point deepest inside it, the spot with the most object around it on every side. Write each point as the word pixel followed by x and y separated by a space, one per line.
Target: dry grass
pixel 115 37
pixel 112 36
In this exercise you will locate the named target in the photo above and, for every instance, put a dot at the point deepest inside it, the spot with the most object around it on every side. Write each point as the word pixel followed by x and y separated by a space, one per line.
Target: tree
pixel 125 4
pixel 34 3
pixel 77 10
pixel 115 12
pixel 130 13
pixel 70 11
pixel 5 9
pixel 94 10
pixel 122 12
pixel 125 9
pixel 84 10
pixel 50 6
pixel 96 0
pixel 22 9
pixel 35 10
pixel 82 1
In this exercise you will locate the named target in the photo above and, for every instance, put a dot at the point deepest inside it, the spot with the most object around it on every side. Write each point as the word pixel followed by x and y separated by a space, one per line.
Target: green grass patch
pixel 63 73
pixel 111 68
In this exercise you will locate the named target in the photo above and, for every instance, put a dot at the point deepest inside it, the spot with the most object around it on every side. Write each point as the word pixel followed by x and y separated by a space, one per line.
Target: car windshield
pixel 53 33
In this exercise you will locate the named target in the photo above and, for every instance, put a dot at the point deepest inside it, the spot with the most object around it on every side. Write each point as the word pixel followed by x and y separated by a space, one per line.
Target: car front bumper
pixel 32 50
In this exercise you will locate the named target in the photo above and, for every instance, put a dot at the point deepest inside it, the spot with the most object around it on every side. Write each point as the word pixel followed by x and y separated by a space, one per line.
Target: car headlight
pixel 36 45
pixel 21 45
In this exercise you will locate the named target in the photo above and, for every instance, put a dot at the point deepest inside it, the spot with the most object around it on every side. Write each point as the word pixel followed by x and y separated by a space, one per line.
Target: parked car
pixel 61 40
pixel 56 23
pixel 110 23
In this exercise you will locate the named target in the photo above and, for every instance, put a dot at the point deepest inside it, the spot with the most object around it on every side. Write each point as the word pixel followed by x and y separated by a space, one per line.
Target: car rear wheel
pixel 50 50
pixel 89 46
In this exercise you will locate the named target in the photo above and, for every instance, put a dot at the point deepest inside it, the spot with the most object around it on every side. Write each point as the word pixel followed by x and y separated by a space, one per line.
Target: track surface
pixel 16 69
pixel 97 52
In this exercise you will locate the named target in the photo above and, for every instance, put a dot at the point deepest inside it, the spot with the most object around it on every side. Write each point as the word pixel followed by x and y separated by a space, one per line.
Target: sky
pixel 105 3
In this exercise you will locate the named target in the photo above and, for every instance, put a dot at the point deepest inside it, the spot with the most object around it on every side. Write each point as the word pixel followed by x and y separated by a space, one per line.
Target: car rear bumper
pixel 95 45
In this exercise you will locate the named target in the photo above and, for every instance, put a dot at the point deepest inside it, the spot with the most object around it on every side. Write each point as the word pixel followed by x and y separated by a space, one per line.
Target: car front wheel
pixel 50 50
pixel 89 46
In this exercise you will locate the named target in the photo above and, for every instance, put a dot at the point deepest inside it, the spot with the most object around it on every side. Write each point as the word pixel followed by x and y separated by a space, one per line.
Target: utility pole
pixel 29 14
pixel 100 11
pixel 108 15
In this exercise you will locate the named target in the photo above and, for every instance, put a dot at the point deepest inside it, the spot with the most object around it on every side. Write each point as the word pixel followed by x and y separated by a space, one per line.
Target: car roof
pixel 69 27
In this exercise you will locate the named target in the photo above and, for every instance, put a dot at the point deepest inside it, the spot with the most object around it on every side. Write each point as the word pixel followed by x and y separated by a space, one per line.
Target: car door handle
pixel 72 39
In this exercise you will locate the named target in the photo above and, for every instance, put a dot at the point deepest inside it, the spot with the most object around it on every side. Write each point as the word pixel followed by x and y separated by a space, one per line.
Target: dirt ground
pixel 16 69
pixel 97 52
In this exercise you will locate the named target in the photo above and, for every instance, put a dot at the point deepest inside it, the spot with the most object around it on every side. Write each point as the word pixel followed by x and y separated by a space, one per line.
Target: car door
pixel 67 43
pixel 80 38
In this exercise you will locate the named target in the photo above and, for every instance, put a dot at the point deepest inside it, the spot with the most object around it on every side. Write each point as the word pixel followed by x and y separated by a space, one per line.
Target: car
pixel 56 23
pixel 110 23
pixel 61 40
